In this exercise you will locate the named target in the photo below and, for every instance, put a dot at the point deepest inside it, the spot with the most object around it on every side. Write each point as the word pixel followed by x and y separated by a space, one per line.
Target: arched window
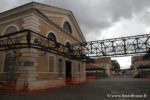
pixel 67 27
pixel 68 45
pixel 10 29
pixel 52 37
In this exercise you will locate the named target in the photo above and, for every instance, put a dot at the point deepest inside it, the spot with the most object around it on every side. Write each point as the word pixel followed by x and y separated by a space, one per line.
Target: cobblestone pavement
pixel 118 88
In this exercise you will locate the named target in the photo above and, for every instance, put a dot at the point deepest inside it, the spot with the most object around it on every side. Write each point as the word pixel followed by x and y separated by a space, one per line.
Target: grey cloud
pixel 145 18
pixel 94 15
pixel 5 5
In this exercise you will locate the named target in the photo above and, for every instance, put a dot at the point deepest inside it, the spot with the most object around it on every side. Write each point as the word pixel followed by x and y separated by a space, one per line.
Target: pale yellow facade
pixel 42 19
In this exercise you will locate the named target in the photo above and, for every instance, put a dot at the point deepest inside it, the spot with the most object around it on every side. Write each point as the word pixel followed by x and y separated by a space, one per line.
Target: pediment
pixel 59 16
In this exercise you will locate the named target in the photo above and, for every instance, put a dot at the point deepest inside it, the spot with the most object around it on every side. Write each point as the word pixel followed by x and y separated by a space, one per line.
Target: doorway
pixel 68 70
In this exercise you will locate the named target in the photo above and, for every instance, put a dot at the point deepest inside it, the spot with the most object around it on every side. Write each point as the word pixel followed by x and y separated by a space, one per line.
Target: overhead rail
pixel 30 39
pixel 123 46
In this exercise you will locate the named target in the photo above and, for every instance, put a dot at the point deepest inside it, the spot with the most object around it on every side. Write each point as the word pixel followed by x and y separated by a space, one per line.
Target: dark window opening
pixel 10 29
pixel 9 66
pixel 68 45
pixel 67 27
pixel 68 69
pixel 51 63
pixel 52 37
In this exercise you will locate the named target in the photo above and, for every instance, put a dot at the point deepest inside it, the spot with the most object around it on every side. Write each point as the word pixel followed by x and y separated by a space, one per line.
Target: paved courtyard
pixel 118 88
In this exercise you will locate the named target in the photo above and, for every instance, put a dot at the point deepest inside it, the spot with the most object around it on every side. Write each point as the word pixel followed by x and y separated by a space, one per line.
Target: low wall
pixel 33 87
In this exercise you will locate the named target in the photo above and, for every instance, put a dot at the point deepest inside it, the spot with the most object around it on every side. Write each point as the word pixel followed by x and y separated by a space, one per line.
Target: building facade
pixel 32 69
pixel 140 66
pixel 101 67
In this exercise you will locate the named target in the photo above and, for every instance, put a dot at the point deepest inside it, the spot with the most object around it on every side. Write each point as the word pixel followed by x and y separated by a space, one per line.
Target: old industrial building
pixel 32 69
pixel 100 67
pixel 140 66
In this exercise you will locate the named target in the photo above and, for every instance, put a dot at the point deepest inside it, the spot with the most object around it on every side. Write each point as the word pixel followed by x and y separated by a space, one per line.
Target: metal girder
pixel 30 39
pixel 79 51
pixel 115 47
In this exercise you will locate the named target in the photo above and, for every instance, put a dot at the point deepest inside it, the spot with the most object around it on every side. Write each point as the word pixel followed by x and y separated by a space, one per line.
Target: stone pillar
pixel 27 69
pixel 28 61
pixel 31 22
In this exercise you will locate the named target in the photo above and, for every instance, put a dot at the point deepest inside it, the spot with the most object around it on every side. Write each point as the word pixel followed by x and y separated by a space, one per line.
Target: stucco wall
pixel 42 59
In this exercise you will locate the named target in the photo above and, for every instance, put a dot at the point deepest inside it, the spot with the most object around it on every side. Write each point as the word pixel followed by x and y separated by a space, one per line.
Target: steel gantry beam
pixel 79 51
pixel 123 46
pixel 31 39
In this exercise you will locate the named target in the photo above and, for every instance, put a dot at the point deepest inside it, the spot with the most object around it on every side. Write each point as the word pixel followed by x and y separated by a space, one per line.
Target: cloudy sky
pixel 101 19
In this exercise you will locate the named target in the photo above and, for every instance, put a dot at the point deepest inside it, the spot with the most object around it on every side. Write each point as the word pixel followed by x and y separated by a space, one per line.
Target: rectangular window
pixel 51 63
pixel 60 67
pixel 9 66
pixel 9 62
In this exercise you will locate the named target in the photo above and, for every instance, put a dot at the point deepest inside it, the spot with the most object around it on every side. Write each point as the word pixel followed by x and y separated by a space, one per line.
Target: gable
pixel 56 15
pixel 59 16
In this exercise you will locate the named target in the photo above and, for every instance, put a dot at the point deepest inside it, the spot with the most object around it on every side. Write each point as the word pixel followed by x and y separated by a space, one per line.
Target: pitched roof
pixel 38 6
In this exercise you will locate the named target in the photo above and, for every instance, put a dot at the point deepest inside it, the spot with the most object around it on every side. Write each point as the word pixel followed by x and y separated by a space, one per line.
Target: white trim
pixel 31 22
pixel 54 62
pixel 57 39
pixel 14 25
pixel 33 17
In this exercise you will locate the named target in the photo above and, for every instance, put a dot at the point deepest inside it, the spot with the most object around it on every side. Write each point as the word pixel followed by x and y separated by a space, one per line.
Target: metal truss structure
pixel 31 39
pixel 123 46
pixel 79 51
